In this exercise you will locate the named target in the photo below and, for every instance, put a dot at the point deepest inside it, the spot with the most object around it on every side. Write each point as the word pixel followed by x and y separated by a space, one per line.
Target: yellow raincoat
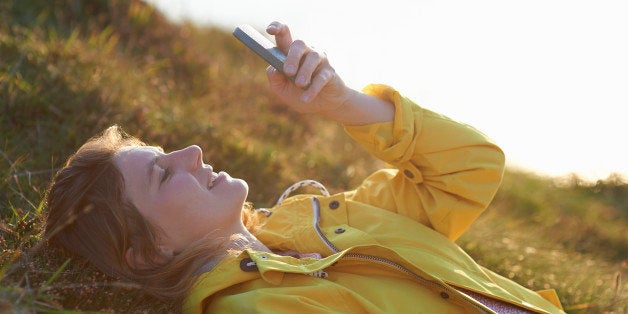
pixel 387 246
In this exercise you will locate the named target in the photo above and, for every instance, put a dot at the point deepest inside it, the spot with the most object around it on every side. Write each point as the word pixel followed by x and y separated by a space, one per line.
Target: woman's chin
pixel 239 187
pixel 240 184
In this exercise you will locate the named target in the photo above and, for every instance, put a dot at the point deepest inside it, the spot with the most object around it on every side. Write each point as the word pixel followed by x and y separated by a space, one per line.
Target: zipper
pixel 316 205
pixel 391 264
pixel 386 262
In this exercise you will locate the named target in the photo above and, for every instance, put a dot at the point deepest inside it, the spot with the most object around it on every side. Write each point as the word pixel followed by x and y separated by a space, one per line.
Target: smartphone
pixel 260 45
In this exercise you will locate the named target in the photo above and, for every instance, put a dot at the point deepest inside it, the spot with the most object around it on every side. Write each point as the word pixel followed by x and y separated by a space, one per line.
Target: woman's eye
pixel 165 176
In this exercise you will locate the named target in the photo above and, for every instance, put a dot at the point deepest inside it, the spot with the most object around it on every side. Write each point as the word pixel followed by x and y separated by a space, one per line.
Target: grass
pixel 70 68
pixel 548 233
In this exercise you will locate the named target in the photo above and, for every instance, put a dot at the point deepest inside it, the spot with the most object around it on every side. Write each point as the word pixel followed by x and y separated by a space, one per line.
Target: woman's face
pixel 180 194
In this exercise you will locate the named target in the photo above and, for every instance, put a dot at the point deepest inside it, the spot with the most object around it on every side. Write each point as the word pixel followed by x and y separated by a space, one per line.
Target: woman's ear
pixel 135 261
pixel 138 261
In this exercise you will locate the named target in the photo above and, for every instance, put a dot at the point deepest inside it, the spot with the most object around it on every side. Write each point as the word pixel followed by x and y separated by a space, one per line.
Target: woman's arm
pixel 446 172
pixel 317 88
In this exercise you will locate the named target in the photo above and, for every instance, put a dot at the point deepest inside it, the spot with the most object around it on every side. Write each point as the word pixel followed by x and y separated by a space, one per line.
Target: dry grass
pixel 71 68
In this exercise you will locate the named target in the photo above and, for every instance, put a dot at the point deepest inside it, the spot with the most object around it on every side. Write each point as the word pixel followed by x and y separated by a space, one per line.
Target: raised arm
pixel 446 172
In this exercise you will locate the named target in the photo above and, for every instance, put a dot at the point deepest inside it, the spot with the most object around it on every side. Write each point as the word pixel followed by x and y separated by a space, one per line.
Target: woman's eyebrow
pixel 157 151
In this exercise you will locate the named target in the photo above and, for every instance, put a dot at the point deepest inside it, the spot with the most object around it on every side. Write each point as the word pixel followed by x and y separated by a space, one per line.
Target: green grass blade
pixel 56 274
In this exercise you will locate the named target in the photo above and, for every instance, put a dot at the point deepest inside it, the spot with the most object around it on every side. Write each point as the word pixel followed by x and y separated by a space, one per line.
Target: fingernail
pixel 305 98
pixel 301 80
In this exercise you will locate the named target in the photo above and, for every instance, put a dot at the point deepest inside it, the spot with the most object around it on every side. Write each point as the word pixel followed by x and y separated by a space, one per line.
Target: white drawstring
pixel 299 184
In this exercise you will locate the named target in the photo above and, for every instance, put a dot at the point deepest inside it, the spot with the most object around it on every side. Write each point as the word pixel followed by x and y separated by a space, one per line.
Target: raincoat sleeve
pixel 444 173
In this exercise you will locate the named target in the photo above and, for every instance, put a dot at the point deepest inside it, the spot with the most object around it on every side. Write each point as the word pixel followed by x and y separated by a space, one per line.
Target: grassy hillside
pixel 70 68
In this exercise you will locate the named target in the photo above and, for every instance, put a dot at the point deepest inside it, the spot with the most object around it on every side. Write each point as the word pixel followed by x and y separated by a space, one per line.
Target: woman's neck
pixel 242 239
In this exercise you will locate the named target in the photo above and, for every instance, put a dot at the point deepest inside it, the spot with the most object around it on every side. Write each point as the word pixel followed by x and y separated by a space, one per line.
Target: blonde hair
pixel 90 215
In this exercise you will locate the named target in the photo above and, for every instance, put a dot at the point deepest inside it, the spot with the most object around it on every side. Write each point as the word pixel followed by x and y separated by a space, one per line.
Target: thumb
pixel 276 79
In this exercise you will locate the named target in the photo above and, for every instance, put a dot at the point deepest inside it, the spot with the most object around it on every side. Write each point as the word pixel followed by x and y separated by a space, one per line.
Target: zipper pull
pixel 316 205
pixel 319 274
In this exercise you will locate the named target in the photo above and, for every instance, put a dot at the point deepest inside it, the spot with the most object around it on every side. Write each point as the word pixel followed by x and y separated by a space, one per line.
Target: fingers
pixel 302 63
pixel 320 80
pixel 295 52
pixel 283 38
pixel 309 68
pixel 311 63
pixel 298 49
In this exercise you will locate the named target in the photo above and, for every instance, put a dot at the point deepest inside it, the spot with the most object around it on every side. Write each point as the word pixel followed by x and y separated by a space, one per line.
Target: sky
pixel 546 79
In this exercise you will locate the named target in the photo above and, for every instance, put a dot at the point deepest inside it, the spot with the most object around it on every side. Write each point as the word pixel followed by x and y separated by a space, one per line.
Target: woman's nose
pixel 190 157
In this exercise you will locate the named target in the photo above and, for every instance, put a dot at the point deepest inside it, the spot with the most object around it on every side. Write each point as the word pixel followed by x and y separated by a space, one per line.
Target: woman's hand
pixel 316 88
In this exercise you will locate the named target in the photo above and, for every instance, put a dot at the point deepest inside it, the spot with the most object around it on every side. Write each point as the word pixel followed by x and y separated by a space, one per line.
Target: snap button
pixel 339 230
pixel 334 204
pixel 248 265
pixel 444 295
pixel 408 173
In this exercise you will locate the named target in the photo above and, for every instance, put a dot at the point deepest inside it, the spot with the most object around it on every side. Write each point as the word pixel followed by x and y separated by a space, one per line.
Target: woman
pixel 172 224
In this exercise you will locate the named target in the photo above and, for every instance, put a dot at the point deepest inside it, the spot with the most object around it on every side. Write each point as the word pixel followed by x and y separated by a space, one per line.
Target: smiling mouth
pixel 212 179
pixel 216 178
